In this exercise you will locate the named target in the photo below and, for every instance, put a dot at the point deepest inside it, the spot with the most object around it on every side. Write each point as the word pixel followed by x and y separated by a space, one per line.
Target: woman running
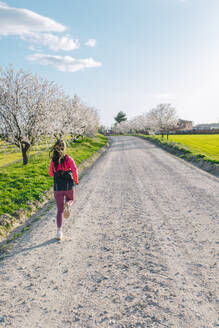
pixel 64 171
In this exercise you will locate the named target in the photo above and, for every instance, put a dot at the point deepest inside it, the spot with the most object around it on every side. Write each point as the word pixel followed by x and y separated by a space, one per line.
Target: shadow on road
pixel 28 249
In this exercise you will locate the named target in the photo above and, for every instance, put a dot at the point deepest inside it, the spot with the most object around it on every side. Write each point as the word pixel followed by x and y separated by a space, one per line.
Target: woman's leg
pixel 59 197
pixel 69 194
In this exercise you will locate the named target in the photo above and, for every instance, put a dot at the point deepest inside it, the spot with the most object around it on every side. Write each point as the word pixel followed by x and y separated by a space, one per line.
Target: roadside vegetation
pixel 10 153
pixel 159 125
pixel 34 113
pixel 21 185
pixel 205 147
pixel 32 109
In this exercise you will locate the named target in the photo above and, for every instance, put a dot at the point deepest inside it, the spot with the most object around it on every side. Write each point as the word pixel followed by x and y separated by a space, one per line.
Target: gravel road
pixel 139 249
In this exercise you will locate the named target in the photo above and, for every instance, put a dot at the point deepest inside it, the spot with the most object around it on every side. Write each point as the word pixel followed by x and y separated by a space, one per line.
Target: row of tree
pixel 32 108
pixel 161 119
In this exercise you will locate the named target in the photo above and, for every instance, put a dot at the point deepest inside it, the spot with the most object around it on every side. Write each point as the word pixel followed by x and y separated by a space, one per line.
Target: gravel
pixel 139 249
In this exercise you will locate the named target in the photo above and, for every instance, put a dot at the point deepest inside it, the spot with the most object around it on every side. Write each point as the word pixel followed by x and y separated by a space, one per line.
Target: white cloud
pixel 16 21
pixel 64 63
pixel 91 43
pixel 34 28
pixel 52 41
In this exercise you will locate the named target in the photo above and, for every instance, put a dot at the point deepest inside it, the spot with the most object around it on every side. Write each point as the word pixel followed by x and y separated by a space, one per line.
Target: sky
pixel 120 55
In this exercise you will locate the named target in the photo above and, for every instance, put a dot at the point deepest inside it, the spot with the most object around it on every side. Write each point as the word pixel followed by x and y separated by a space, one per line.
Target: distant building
pixel 184 125
pixel 207 126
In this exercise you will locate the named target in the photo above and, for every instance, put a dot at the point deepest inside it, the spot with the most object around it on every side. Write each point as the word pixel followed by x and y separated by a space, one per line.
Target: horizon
pixel 120 56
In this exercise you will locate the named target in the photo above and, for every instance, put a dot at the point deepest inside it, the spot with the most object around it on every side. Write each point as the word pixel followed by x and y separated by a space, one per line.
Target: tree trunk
pixel 24 148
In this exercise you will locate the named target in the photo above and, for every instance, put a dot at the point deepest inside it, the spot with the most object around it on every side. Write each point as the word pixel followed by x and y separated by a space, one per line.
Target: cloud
pixel 91 43
pixel 64 63
pixel 16 21
pixel 34 28
pixel 52 41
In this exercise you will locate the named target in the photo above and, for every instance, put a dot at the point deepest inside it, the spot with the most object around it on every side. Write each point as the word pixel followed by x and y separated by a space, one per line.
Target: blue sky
pixel 128 55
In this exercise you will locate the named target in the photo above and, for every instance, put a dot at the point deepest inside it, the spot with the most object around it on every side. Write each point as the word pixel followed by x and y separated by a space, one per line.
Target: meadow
pixel 21 184
pixel 204 146
pixel 10 153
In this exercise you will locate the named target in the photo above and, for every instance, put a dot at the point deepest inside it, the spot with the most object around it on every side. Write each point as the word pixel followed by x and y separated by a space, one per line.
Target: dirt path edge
pixel 205 165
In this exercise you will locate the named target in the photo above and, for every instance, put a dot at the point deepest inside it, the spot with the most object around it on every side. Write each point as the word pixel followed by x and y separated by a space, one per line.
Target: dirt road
pixel 139 249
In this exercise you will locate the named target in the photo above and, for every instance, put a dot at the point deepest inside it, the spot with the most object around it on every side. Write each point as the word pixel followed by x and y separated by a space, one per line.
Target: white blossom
pixel 32 108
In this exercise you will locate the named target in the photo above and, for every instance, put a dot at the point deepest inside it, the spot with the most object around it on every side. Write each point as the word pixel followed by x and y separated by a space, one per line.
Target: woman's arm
pixel 73 169
pixel 51 168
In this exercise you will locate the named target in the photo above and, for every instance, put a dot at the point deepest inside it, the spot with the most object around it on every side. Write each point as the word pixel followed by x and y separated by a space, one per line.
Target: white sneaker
pixel 66 210
pixel 59 234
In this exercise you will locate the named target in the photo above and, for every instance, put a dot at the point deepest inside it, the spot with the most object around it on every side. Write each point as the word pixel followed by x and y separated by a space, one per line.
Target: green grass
pixel 11 153
pixel 202 146
pixel 21 184
pixel 207 145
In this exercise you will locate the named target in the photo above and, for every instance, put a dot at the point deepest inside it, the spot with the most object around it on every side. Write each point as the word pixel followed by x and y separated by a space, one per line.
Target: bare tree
pixel 32 108
pixel 84 120
pixel 122 127
pixel 91 121
pixel 163 118
pixel 77 125
pixel 28 108
pixel 141 124
pixel 63 119
pixel 77 119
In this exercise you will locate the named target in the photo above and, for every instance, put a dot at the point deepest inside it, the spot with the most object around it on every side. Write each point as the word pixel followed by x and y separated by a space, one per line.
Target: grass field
pixel 203 146
pixel 21 184
pixel 11 153
pixel 207 145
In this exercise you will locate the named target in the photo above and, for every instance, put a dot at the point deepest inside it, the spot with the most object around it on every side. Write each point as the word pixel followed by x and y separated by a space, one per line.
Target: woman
pixel 64 171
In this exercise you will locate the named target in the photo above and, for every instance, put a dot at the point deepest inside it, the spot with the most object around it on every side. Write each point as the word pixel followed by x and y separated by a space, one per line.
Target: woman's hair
pixel 58 155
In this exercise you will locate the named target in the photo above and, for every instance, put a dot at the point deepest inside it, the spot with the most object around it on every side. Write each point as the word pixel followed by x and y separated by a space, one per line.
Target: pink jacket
pixel 68 164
